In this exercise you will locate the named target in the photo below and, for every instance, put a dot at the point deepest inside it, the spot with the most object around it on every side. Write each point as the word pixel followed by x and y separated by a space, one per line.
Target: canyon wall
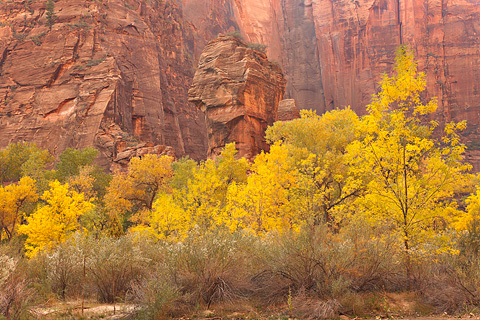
pixel 333 52
pixel 111 74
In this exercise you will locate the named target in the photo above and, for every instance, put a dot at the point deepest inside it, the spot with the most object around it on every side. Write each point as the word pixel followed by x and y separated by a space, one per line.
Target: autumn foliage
pixel 340 204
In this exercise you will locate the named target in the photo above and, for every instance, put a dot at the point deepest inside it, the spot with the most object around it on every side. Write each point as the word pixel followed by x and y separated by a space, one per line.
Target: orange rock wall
pixel 333 52
pixel 112 63
pixel 239 90
pixel 129 63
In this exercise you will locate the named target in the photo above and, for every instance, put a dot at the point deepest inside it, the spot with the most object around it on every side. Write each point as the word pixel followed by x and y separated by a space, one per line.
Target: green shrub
pixel 15 294
pixel 113 265
pixel 212 266
pixel 258 47
pixel 452 282
pixel 156 297
pixel 326 266
pixel 237 34
pixel 95 62
pixel 37 39
pixel 64 268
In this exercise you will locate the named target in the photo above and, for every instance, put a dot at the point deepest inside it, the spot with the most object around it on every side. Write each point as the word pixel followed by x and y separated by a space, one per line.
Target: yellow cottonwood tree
pixel 317 144
pixel 56 220
pixel 13 198
pixel 135 190
pixel 471 214
pixel 411 176
pixel 198 195
pixel 168 220
pixel 263 203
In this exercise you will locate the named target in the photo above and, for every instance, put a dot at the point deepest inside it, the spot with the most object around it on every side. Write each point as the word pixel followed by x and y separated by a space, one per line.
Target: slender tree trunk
pixel 113 291
pixel 408 262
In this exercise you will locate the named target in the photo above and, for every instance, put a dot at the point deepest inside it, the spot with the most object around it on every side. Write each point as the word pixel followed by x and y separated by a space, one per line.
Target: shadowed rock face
pixel 238 89
pixel 104 64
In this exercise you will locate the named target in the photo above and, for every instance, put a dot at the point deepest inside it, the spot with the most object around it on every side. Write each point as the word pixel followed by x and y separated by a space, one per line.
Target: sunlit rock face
pixel 130 63
pixel 333 52
pixel 287 110
pixel 239 90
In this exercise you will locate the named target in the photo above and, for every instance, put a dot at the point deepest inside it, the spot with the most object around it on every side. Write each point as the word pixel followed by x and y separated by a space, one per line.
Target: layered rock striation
pixel 116 64
pixel 239 90
pixel 129 63
pixel 333 52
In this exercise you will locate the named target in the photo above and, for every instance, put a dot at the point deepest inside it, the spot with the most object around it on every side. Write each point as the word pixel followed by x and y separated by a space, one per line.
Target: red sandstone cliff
pixel 129 63
pixel 239 90
pixel 333 52
pixel 111 74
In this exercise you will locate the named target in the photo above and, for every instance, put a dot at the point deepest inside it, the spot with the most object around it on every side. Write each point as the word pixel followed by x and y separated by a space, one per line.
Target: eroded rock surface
pixel 103 64
pixel 333 52
pixel 130 63
pixel 239 90
pixel 288 110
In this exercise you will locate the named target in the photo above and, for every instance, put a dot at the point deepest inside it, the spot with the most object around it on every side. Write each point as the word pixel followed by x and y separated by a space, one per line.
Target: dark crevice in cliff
pixel 58 73
pixel 302 58
pixel 444 84
pixel 356 5
pixel 94 44
pixel 75 49
pixel 399 21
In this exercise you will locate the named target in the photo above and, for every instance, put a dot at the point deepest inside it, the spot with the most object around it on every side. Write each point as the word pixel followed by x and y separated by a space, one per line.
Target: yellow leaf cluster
pixel 53 222
pixel 12 199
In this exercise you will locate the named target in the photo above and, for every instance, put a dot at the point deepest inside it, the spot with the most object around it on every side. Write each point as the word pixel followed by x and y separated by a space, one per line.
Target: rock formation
pixel 130 62
pixel 238 89
pixel 333 52
pixel 104 64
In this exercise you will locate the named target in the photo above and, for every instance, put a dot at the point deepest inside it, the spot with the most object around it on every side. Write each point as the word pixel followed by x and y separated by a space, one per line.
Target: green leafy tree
pixel 24 159
pixel 77 167
pixel 50 13
pixel 72 160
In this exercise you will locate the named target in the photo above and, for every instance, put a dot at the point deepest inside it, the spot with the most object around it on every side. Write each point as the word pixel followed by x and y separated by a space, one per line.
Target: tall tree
pixel 23 159
pixel 317 144
pixel 263 203
pixel 411 175
pixel 134 191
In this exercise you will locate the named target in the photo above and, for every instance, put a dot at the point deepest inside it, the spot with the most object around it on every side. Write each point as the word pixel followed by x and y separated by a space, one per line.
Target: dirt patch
pixel 90 310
